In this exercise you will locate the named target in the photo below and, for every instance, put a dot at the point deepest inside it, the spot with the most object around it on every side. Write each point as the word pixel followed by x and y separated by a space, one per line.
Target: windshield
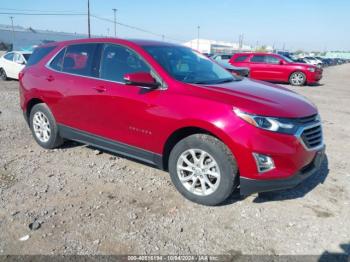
pixel 287 59
pixel 188 66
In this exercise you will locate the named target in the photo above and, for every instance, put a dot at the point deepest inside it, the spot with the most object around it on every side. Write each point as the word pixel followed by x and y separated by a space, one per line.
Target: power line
pixel 136 28
pixel 55 14
pixel 36 10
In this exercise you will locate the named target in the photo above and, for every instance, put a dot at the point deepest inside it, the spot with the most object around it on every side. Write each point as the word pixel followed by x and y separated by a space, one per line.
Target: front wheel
pixel 297 79
pixel 203 169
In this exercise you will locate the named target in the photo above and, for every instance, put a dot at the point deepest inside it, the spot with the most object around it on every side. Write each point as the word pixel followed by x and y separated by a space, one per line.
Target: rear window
pixel 38 54
pixel 241 58
pixel 9 56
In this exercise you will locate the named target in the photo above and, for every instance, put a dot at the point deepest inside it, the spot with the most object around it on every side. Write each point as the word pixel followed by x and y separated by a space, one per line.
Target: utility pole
pixel 240 41
pixel 107 31
pixel 198 28
pixel 115 21
pixel 13 32
pixel 89 33
pixel 163 38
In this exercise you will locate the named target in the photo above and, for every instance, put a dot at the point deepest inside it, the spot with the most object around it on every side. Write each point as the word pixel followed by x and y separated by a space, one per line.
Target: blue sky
pixel 299 24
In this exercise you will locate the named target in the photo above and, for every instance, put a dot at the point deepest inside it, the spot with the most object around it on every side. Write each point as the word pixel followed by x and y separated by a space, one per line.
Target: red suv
pixel 171 107
pixel 277 68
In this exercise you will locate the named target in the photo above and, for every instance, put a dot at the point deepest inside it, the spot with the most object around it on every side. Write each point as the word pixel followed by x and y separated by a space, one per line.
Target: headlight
pixel 311 69
pixel 267 123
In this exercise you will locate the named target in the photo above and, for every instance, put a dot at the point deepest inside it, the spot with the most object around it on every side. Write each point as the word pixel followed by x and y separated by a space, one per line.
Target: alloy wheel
pixel 41 127
pixel 297 79
pixel 198 172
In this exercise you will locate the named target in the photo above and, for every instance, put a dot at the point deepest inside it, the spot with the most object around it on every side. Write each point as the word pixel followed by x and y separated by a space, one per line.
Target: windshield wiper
pixel 225 81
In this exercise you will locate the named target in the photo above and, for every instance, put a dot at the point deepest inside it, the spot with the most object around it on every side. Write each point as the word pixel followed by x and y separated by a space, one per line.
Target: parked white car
pixel 313 61
pixel 12 63
pixel 222 58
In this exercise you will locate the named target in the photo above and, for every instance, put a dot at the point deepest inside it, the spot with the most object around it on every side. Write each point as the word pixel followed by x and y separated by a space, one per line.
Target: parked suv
pixel 277 68
pixel 173 108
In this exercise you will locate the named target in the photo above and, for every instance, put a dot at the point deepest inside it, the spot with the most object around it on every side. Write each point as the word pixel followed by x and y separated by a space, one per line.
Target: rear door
pixel 72 77
pixel 258 67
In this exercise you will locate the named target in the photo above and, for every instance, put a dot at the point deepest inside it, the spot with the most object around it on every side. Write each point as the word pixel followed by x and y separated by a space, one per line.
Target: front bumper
pixel 250 186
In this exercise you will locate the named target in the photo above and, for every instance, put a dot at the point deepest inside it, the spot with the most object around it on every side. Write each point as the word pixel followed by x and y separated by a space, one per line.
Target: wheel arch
pixel 301 71
pixel 31 103
pixel 185 131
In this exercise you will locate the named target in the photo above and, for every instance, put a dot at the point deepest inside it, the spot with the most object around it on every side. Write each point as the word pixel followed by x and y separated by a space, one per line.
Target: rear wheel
pixel 44 127
pixel 3 75
pixel 203 169
pixel 297 79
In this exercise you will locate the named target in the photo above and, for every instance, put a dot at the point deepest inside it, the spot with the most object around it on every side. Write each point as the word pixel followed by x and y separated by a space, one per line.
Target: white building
pixel 216 47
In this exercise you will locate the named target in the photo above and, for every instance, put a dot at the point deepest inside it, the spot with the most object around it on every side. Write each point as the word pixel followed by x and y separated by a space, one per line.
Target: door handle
pixel 100 89
pixel 50 78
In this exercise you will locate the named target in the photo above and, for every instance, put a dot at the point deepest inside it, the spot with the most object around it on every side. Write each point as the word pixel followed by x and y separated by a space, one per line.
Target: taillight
pixel 20 75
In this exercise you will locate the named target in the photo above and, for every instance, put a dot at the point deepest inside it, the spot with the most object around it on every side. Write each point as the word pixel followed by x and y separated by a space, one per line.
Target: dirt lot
pixel 88 202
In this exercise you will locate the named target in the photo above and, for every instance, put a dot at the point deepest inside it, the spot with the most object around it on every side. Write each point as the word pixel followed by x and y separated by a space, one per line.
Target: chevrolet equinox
pixel 173 108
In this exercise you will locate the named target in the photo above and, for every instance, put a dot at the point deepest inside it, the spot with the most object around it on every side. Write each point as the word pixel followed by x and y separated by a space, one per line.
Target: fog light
pixel 264 163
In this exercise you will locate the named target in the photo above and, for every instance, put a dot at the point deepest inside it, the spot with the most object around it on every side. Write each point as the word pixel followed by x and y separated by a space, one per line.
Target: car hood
pixel 260 98
pixel 301 64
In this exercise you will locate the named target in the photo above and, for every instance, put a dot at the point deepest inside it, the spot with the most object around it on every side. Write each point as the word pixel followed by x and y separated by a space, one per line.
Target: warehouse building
pixel 216 47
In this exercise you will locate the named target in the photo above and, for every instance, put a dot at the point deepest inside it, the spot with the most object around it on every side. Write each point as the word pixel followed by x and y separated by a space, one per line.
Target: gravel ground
pixel 77 200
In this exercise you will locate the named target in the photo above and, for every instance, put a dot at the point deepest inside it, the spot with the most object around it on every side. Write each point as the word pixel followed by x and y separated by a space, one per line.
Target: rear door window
pixel 116 61
pixel 79 59
pixel 258 59
pixel 38 54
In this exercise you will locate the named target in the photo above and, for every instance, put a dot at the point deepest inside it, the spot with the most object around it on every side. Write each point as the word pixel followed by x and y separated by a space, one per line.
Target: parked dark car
pixel 240 71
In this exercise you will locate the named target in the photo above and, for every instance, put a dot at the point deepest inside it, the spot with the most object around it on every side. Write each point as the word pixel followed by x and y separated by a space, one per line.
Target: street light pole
pixel 13 32
pixel 89 33
pixel 198 28
pixel 115 21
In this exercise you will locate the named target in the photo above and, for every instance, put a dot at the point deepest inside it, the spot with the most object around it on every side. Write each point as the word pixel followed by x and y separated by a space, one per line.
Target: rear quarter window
pixel 38 54
pixel 241 58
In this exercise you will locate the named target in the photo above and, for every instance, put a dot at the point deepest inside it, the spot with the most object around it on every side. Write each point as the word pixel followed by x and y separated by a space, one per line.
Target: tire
pixel 297 79
pixel 44 128
pixel 3 75
pixel 224 167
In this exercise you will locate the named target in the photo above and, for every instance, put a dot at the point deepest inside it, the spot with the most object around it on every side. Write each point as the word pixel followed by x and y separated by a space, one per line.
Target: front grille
pixel 307 120
pixel 312 137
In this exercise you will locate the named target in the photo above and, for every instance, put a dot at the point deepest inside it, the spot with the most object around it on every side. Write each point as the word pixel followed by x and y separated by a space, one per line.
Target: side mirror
pixel 282 62
pixel 143 79
pixel 21 62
